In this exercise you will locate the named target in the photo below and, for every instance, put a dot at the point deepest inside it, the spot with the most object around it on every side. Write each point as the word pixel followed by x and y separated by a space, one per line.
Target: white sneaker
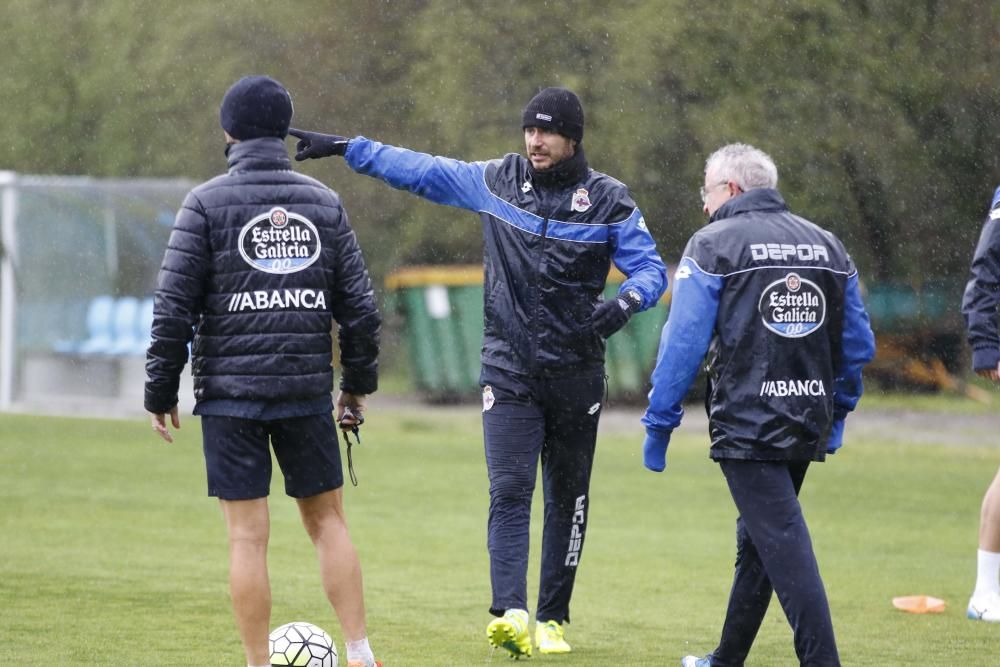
pixel 695 661
pixel 984 607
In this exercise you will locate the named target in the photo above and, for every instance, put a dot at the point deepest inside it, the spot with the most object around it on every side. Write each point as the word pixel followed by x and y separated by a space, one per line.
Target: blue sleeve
pixel 982 294
pixel 683 344
pixel 857 349
pixel 634 253
pixel 439 179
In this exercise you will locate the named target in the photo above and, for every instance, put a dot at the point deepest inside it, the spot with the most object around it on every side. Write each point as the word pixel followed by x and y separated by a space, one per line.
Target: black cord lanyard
pixel 358 420
pixel 350 461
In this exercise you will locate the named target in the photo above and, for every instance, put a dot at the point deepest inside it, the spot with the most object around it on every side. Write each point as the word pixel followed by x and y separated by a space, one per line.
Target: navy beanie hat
pixel 256 106
pixel 556 109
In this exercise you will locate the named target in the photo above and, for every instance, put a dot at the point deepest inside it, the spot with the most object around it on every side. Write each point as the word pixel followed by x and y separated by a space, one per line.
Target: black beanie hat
pixel 557 109
pixel 256 106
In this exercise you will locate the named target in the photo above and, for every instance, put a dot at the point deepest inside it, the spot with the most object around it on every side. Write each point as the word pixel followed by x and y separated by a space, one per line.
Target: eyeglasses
pixel 704 193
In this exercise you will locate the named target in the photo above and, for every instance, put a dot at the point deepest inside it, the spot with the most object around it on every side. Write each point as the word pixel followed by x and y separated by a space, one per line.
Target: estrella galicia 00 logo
pixel 792 307
pixel 279 242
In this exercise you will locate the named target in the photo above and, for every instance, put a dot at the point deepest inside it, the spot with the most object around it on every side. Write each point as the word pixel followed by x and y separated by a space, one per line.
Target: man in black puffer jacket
pixel 260 264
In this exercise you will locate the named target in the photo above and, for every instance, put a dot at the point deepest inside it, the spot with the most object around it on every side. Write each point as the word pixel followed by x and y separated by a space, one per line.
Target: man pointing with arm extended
pixel 552 227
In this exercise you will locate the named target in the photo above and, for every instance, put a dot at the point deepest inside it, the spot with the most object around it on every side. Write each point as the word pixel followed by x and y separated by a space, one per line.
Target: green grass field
pixel 111 554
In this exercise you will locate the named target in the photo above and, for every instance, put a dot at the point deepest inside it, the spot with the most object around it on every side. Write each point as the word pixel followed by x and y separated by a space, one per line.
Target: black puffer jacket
pixel 260 263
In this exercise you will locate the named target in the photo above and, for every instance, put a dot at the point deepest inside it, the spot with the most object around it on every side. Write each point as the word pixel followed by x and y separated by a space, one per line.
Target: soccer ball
pixel 303 645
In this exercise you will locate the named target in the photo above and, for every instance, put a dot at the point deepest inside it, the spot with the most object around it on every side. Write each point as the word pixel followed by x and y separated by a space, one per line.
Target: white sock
pixel 360 650
pixel 520 614
pixel 987 573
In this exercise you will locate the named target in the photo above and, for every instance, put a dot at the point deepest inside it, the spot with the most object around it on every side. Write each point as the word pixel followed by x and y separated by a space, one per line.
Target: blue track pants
pixel 774 552
pixel 526 419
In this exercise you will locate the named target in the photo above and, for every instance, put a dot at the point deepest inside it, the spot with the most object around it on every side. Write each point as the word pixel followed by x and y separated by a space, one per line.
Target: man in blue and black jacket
pixel 979 305
pixel 774 301
pixel 552 227
pixel 260 266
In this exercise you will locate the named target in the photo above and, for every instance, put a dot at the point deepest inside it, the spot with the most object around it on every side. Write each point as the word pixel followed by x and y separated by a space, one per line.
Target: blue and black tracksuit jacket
pixel 775 302
pixel 982 293
pixel 547 251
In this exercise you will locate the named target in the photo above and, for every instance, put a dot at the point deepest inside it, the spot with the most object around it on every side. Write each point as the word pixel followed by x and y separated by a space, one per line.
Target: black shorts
pixel 238 458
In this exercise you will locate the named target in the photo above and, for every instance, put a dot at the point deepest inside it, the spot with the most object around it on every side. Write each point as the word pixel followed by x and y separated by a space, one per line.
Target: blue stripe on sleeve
pixel 857 349
pixel 634 253
pixel 683 343
pixel 441 180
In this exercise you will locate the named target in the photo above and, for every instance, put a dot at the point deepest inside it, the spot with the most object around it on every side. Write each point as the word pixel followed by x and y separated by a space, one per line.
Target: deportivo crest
pixel 581 200
pixel 792 307
pixel 279 242
pixel 488 399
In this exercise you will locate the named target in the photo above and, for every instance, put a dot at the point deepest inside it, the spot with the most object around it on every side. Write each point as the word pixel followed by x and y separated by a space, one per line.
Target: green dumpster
pixel 442 312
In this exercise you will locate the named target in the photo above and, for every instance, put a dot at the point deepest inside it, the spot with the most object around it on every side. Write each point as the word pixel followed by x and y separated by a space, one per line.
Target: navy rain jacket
pixel 776 298
pixel 260 263
pixel 982 293
pixel 547 251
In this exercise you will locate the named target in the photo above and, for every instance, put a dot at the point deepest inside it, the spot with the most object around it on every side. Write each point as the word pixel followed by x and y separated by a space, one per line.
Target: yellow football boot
pixel 549 638
pixel 510 632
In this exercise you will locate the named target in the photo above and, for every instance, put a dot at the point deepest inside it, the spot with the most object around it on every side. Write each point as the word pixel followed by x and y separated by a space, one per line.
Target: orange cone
pixel 919 604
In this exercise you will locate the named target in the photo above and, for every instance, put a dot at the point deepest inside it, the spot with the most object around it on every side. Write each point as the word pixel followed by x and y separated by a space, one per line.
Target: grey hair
pixel 743 164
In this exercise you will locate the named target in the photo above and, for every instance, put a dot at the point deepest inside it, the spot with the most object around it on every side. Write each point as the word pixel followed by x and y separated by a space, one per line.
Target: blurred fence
pixel 920 336
pixel 78 265
pixel 77 271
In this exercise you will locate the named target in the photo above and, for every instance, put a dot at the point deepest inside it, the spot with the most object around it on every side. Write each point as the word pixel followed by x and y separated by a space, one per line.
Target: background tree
pixel 882 116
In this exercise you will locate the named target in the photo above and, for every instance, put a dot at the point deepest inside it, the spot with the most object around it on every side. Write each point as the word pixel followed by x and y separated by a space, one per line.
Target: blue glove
pixel 316 145
pixel 654 450
pixel 836 436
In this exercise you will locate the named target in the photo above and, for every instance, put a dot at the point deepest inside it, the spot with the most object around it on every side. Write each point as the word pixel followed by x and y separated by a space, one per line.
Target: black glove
pixel 612 315
pixel 316 145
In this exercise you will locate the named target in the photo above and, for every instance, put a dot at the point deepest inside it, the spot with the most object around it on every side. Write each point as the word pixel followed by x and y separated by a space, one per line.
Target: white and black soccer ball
pixel 302 644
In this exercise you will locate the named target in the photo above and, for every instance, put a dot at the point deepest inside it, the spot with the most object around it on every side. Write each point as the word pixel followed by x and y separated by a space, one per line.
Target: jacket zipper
pixel 538 294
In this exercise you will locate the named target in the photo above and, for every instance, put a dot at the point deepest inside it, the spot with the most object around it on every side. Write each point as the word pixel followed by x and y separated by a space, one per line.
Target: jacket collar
pixel 569 172
pixel 266 153
pixel 758 199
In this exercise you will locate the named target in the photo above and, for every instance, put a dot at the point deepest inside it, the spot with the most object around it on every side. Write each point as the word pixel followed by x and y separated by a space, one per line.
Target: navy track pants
pixel 774 552
pixel 526 419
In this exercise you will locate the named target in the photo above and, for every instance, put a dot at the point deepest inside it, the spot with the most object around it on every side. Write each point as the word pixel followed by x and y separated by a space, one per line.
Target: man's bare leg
pixel 249 528
pixel 340 569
